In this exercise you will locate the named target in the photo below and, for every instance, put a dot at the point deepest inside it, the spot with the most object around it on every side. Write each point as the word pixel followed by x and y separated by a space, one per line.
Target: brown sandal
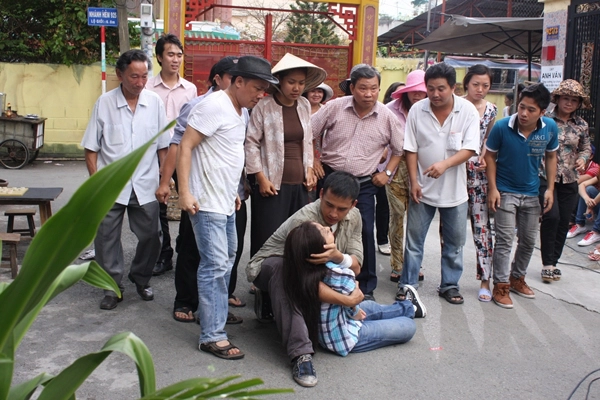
pixel 222 352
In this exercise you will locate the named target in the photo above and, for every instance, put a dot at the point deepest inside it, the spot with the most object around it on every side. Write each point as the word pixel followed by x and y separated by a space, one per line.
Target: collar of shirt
pixel 157 80
pixel 122 101
pixel 512 122
pixel 573 119
pixel 374 110
pixel 456 106
pixel 398 106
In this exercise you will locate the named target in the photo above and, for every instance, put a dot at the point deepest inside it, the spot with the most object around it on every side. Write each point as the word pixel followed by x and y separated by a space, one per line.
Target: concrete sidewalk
pixel 539 350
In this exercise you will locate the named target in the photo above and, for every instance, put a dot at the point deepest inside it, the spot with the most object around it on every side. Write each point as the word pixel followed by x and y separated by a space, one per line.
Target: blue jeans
pixel 217 244
pixel 385 325
pixel 523 212
pixel 582 208
pixel 454 234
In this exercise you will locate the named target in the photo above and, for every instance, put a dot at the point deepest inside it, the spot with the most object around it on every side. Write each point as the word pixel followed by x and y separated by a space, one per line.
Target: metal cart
pixel 20 140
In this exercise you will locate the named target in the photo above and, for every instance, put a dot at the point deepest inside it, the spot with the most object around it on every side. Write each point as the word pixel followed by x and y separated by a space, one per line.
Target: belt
pixel 362 180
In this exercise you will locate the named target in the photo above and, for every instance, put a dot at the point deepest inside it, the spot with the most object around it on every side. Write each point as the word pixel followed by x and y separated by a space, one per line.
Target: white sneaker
pixel 575 230
pixel 591 238
pixel 385 249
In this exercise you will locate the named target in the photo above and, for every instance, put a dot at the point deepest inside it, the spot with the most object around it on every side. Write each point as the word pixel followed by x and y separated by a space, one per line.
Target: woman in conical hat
pixel 279 152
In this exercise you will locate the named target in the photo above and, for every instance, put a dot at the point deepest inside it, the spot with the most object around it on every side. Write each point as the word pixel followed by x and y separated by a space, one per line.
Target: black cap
pixel 222 66
pixel 255 68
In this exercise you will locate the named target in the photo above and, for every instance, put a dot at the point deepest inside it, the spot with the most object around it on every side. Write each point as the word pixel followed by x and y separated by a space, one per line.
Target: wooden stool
pixel 11 240
pixel 28 212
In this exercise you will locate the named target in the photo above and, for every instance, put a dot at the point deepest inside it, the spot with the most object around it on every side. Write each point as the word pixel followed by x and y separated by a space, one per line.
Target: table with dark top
pixel 42 197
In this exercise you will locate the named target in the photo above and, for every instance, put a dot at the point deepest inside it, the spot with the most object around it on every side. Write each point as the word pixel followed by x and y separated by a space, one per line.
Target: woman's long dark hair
pixel 301 278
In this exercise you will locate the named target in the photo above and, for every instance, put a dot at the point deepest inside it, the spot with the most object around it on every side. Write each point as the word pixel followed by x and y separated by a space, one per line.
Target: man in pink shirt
pixel 174 91
pixel 359 129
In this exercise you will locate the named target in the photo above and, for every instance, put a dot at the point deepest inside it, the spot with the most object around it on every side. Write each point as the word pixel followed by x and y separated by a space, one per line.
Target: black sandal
pixel 186 311
pixel 222 352
pixel 401 293
pixel 451 294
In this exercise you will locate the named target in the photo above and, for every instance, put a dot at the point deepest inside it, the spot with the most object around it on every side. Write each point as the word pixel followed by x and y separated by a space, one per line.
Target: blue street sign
pixel 102 17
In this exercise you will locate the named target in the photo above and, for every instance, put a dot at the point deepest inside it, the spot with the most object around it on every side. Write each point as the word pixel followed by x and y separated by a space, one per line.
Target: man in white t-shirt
pixel 210 160
pixel 442 133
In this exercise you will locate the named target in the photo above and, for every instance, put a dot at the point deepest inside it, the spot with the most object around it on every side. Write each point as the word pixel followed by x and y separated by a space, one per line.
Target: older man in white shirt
pixel 122 120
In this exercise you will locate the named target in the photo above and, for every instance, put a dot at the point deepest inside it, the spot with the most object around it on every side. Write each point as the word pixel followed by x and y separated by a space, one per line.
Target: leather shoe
pixel 109 302
pixel 145 292
pixel 161 267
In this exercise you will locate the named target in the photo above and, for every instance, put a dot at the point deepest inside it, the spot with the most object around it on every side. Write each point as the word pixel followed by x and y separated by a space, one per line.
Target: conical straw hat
pixel 314 75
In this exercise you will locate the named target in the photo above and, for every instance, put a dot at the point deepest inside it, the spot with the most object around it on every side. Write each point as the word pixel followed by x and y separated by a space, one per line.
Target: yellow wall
pixel 555 5
pixel 396 69
pixel 64 95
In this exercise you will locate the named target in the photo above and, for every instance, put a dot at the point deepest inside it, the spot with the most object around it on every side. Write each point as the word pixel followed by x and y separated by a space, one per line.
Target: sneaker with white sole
pixel 385 249
pixel 591 238
pixel 576 230
pixel 303 371
pixel 413 297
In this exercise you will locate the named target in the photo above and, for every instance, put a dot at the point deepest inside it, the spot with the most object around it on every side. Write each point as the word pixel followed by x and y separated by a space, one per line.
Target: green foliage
pixel 55 31
pixel 310 28
pixel 45 273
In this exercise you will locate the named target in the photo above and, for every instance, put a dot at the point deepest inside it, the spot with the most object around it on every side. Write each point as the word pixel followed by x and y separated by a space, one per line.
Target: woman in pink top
pixel 397 188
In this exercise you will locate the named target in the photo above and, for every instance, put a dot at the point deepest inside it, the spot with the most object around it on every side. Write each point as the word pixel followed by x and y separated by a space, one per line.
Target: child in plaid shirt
pixel 337 328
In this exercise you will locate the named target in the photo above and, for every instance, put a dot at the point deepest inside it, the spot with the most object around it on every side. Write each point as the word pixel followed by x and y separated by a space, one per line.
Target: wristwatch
pixel 388 172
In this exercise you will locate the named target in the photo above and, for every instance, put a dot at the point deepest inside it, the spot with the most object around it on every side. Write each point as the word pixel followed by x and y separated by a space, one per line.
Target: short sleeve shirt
pixel 174 98
pixel 518 158
pixel 434 142
pixel 114 131
pixel 218 160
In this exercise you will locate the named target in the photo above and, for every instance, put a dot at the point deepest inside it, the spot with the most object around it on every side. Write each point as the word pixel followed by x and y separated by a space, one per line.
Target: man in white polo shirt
pixel 442 133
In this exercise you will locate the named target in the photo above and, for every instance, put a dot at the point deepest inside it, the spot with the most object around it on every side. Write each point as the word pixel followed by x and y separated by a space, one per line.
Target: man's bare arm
pixel 91 161
pixel 191 139
pixel 167 170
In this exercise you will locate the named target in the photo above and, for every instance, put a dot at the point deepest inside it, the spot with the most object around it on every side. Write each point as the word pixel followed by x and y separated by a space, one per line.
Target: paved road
pixel 538 350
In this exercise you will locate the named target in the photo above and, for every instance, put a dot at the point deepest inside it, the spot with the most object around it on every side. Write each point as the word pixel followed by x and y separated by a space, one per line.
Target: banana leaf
pixel 63 237
pixel 64 385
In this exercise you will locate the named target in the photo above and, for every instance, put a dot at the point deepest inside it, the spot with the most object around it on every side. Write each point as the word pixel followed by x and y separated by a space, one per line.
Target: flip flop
pixel 236 302
pixel 186 311
pixel 484 292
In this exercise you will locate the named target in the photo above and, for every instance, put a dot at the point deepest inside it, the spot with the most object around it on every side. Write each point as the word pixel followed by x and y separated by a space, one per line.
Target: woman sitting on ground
pixel 340 329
